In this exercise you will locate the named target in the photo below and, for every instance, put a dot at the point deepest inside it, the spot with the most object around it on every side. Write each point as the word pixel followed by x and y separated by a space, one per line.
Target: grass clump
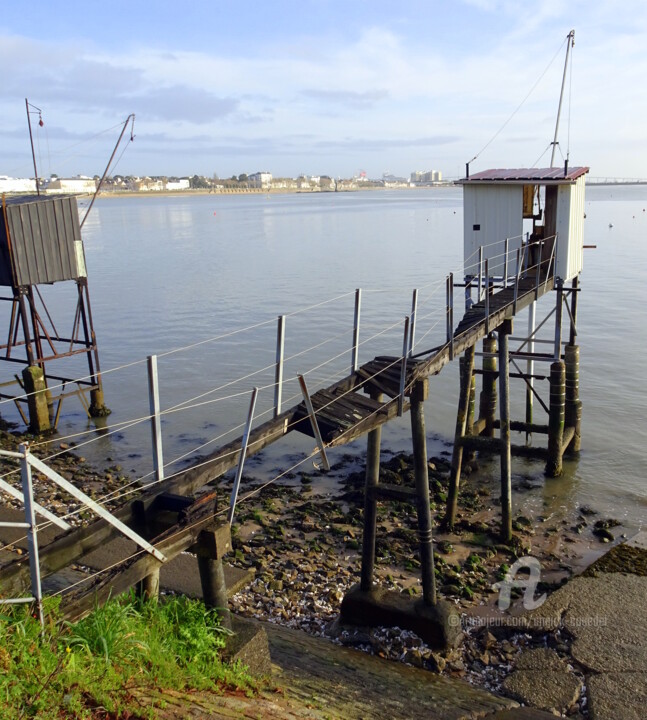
pixel 106 664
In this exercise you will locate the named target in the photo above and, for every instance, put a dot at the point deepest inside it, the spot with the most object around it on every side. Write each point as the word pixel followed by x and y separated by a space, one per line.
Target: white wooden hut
pixel 497 202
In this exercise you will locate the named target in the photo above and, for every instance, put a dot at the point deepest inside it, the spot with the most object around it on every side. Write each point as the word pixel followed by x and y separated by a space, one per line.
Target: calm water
pixel 213 272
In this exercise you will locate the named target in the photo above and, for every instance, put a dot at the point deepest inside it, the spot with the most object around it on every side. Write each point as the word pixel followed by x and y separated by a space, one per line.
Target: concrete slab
pixel 618 695
pixel 348 684
pixel 438 625
pixel 604 612
pixel 639 540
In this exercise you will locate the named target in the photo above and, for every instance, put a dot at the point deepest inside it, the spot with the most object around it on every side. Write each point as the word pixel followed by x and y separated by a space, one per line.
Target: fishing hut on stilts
pixel 523 239
pixel 40 244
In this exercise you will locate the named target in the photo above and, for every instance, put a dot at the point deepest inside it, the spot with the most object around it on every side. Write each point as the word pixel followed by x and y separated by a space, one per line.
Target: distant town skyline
pixel 325 87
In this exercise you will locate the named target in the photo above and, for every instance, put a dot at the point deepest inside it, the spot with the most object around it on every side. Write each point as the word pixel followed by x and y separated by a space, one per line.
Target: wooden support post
pixel 574 294
pixel 214 587
pixel 34 383
pixel 148 589
pixel 487 402
pixel 504 417
pixel 556 419
pixel 470 455
pixel 558 320
pixel 419 440
pixel 573 408
pixel 466 368
pixel 210 549
pixel 370 503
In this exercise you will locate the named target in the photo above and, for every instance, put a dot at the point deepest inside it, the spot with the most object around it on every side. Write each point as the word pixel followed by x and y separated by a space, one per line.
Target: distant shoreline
pixel 251 191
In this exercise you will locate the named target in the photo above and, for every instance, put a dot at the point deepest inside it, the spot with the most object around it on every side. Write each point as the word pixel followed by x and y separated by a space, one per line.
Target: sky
pixel 322 87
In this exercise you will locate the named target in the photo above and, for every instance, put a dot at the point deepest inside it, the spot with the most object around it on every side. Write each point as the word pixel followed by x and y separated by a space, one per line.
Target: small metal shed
pixel 496 202
pixel 40 240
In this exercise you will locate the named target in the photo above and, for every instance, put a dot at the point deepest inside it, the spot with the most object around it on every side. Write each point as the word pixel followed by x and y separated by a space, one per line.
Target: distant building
pixel 16 185
pixel 426 176
pixel 79 184
pixel 180 184
pixel 148 184
pixel 283 184
pixel 259 180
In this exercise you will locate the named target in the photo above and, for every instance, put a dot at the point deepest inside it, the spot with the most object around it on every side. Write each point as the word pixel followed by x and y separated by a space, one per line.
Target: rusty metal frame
pixel 32 327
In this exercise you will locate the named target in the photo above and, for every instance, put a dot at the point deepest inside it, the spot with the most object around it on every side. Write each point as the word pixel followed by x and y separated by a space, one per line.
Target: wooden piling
pixel 210 549
pixel 573 404
pixel 466 376
pixel 34 383
pixel 556 419
pixel 148 589
pixel 214 587
pixel 370 503
pixel 418 396
pixel 468 454
pixel 504 432
pixel 488 398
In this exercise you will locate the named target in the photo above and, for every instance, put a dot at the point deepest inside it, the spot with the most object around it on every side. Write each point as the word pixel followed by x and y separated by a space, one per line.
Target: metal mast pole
pixel 570 38
pixel 31 140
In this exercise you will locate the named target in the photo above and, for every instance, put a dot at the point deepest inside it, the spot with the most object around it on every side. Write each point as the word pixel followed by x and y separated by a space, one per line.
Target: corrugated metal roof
pixel 541 176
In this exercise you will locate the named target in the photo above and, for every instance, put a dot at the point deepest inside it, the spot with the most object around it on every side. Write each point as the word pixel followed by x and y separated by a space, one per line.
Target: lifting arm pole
pixel 570 41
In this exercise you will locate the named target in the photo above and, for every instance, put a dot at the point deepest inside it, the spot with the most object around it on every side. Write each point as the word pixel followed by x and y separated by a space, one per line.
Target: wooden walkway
pixel 352 407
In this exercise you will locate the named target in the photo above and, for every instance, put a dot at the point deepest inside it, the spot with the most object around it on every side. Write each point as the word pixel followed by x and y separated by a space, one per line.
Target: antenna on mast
pixel 570 41
pixel 32 109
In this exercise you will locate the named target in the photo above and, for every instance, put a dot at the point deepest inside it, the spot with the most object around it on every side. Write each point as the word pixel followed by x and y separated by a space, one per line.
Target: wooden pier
pixel 173 519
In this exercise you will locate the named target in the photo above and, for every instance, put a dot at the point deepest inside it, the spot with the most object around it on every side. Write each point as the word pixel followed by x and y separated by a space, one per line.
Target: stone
pixel 617 695
pixel 552 690
pixel 540 659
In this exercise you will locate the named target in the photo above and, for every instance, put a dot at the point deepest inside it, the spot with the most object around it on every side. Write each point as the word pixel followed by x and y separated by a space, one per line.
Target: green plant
pixel 121 651
pixel 110 632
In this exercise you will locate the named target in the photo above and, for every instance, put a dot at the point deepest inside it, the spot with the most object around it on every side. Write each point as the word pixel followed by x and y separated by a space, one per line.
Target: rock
pixel 540 659
pixel 552 690
pixel 414 657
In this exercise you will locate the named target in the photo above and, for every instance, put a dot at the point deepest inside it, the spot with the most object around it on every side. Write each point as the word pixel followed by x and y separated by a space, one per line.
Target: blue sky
pixel 322 87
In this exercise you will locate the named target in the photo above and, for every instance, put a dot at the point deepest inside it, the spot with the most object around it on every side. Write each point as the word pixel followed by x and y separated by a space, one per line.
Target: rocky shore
pixel 302 537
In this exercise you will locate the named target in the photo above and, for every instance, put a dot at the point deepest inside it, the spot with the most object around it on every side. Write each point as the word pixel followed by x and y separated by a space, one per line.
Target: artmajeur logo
pixel 528 585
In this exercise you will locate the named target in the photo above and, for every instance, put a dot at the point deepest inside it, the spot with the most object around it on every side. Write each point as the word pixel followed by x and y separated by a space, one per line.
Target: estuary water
pixel 199 281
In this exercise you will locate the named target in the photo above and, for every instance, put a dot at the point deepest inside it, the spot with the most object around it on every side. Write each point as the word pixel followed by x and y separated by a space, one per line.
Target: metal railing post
pixel 480 273
pixel 538 274
pixel 278 373
pixel 516 282
pixel 487 297
pixel 241 459
pixel 505 264
pixel 156 425
pixel 32 533
pixel 412 329
pixel 451 316
pixel 403 366
pixel 355 353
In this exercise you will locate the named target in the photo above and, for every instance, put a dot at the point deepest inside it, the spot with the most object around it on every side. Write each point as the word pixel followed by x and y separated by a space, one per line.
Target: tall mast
pixel 570 41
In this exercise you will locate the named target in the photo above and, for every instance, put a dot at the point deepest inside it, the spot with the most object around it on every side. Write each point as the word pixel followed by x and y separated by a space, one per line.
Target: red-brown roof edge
pixel 551 176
